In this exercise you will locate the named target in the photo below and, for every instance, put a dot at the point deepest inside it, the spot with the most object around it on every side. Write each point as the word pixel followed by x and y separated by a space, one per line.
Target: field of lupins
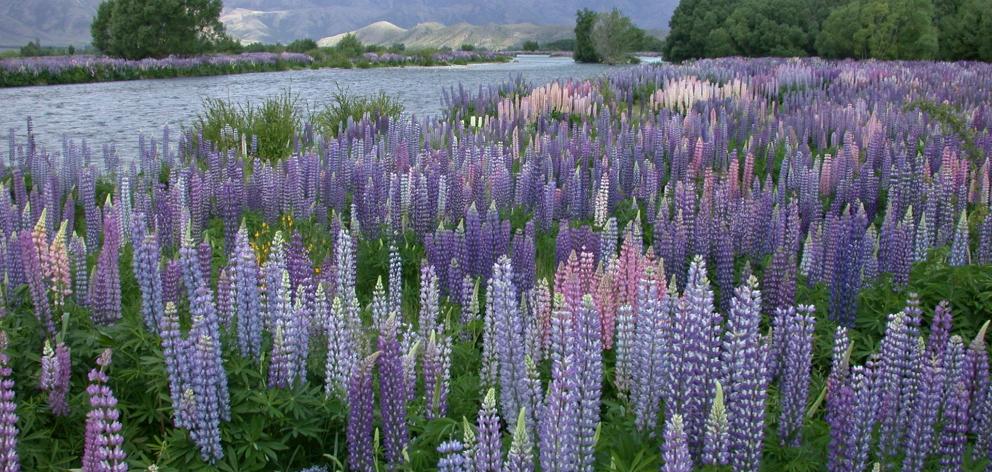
pixel 726 265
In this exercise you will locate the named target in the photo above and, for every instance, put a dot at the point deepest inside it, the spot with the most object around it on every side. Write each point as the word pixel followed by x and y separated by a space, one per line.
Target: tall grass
pixel 268 127
pixel 345 106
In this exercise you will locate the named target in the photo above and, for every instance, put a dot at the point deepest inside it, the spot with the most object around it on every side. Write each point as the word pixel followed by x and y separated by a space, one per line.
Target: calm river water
pixel 115 112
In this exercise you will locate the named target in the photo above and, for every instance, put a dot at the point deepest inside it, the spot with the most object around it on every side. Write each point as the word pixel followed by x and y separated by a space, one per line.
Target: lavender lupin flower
pixel 392 393
pixel 487 453
pixel 56 371
pixel 746 380
pixel 675 450
pixel 102 451
pixel 797 362
pixel 360 452
pixel 247 305
pixel 587 354
pixel 9 461
pixel 205 423
pixel 919 434
pixel 521 455
pixel 452 457
pixel 954 434
pixel 558 432
pixel 341 356
pixel 174 351
pixel 717 435
pixel 437 373
pixel 960 252
pixel 646 363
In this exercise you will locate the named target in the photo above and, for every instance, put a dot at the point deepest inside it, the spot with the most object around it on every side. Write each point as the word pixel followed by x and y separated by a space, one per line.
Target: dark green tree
pixel 883 29
pixel 136 29
pixel 767 28
pixel 964 31
pixel 692 27
pixel 531 45
pixel 585 51
pixel 614 37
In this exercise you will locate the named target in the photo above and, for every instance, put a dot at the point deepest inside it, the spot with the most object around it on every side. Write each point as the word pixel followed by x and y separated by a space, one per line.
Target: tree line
pixel 860 29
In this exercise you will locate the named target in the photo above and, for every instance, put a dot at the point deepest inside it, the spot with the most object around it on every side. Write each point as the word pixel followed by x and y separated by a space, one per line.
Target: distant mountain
pixel 60 22
pixel 436 35
pixel 54 22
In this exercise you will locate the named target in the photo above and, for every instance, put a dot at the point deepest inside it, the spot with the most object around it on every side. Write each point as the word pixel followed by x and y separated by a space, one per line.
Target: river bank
pixel 62 70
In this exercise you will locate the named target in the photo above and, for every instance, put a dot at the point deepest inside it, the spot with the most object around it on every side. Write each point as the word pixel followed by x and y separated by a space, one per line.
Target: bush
pixel 302 45
pixel 344 107
pixel 531 46
pixel 350 46
pixel 273 124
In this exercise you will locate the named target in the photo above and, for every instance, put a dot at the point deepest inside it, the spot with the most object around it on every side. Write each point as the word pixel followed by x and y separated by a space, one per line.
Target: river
pixel 116 112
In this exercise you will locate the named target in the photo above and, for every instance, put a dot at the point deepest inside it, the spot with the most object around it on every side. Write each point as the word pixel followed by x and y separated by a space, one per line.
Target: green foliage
pixel 692 23
pixel 964 29
pixel 350 46
pixel 302 45
pixel 882 29
pixel 769 28
pixel 136 29
pixel 274 123
pixel 951 119
pixel 531 46
pixel 585 51
pixel 614 37
pixel 345 107
pixel 467 47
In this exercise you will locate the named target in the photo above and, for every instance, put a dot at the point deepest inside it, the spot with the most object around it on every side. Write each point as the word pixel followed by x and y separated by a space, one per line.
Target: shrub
pixel 345 106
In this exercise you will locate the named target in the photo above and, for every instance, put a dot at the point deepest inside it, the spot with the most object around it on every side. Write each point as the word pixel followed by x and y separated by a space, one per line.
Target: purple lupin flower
pixel 954 435
pixel 984 254
pixel 392 393
pixel 31 253
pixel 9 461
pixel 360 452
pixel 510 342
pixel 146 271
pixel 520 458
pixel 56 370
pixel 395 280
pixel 282 368
pixel 919 434
pixel 646 355
pixel 625 347
pixel 976 370
pixel 452 457
pixel 587 352
pixel 204 424
pixel 717 436
pixel 745 375
pixel 105 284
pixel 102 451
pixel 437 373
pixel 895 373
pixel 960 252
pixel 486 456
pixel 797 342
pixel 247 305
pixel 702 354
pixel 675 450
pixel 558 429
pixel 177 362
